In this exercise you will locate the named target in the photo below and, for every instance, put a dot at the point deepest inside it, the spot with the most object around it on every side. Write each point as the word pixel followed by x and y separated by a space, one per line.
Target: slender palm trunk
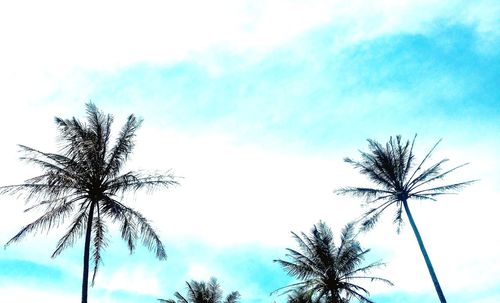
pixel 86 254
pixel 424 253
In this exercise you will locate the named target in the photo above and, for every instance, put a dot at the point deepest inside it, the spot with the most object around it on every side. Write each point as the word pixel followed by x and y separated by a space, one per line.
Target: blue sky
pixel 255 104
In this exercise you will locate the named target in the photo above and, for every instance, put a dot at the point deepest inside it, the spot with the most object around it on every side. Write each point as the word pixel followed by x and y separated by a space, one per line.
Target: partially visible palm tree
pixel 329 273
pixel 85 181
pixel 298 295
pixel 203 292
pixel 398 178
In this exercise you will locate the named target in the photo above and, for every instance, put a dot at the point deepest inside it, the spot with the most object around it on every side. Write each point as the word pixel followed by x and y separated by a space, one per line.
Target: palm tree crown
pixel 398 178
pixel 204 292
pixel 86 182
pixel 328 273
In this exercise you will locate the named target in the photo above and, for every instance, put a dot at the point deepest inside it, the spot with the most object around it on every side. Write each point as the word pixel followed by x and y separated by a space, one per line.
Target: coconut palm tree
pixel 85 181
pixel 204 292
pixel 398 178
pixel 298 295
pixel 329 273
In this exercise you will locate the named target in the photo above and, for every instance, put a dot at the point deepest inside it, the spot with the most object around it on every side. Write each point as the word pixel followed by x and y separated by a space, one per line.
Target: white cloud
pixel 199 272
pixel 28 294
pixel 234 194
pixel 58 35
pixel 135 279
pixel 52 48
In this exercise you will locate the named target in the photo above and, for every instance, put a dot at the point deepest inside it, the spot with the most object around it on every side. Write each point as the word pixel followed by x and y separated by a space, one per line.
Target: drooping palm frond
pixel 147 233
pixel 233 297
pixel 88 171
pixel 99 241
pixel 76 230
pixel 326 271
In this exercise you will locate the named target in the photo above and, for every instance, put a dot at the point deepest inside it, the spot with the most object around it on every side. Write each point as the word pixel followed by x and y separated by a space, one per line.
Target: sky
pixel 254 105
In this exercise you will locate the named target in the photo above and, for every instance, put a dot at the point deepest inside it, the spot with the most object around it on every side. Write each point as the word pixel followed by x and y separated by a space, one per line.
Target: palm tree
pixel 392 168
pixel 298 295
pixel 203 292
pixel 85 180
pixel 327 272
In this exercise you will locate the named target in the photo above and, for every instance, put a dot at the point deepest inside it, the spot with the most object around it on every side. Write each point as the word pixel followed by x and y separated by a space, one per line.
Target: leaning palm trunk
pixel 424 253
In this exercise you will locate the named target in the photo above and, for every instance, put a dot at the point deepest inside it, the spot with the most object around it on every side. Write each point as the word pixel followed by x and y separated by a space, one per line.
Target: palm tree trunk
pixel 86 254
pixel 424 253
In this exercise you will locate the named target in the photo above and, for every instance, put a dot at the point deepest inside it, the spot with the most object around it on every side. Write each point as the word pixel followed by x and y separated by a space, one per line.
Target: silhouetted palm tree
pixel 202 292
pixel 392 168
pixel 298 295
pixel 328 272
pixel 85 181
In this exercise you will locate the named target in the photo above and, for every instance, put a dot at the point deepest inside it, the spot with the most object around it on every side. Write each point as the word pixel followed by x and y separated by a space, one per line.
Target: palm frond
pixel 379 177
pixel 233 297
pixel 307 248
pixel 148 235
pixel 353 290
pixel 372 279
pixel 298 268
pixel 370 218
pixel 99 241
pixel 51 204
pixel 428 173
pixel 443 189
pixel 134 181
pixel 76 230
pixel 437 177
pixel 409 160
pixel 48 220
pixel 180 298
pixel 363 192
pixel 427 156
pixel 363 270
pixel 398 217
pixel 123 146
pixel 290 287
pixel 128 232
